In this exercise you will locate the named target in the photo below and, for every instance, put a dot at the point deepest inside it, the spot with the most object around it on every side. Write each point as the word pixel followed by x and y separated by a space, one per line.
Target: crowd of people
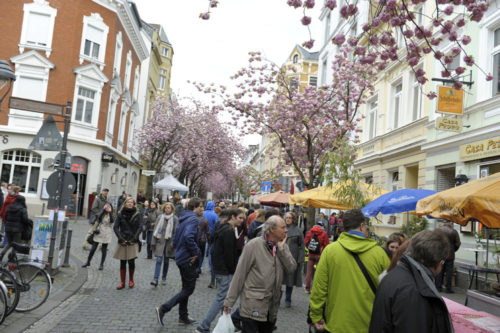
pixel 256 255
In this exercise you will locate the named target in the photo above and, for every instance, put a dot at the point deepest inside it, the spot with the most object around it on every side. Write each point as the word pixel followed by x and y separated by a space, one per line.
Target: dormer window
pixel 295 58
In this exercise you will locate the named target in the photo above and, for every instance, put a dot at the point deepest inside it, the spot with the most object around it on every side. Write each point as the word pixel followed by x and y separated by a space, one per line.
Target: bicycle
pixel 31 278
pixel 3 302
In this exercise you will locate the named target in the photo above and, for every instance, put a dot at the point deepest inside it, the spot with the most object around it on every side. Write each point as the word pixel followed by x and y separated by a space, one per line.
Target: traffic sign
pixel 266 186
pixel 48 137
pixel 69 159
pixel 53 184
pixel 252 192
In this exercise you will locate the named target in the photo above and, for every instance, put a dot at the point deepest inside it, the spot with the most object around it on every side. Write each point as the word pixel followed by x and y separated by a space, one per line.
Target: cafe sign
pixel 480 149
pixel 449 124
pixel 450 100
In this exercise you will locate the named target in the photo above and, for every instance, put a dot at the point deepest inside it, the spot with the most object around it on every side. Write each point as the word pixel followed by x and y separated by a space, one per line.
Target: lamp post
pixel 6 76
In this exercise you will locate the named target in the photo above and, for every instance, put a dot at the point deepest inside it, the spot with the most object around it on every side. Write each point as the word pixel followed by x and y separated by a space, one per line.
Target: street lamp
pixel 6 76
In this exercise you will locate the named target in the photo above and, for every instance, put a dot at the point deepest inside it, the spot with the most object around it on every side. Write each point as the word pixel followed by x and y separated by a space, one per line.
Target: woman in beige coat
pixel 161 242
pixel 103 235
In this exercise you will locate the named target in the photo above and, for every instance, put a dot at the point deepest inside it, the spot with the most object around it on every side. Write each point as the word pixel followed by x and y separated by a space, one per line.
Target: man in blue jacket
pixel 212 218
pixel 187 254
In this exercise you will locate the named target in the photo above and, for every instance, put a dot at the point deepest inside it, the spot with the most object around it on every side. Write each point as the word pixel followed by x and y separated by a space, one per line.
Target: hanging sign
pixel 449 124
pixel 450 100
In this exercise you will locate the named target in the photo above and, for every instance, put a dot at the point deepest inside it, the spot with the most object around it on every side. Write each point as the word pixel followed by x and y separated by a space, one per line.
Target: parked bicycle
pixel 3 302
pixel 28 283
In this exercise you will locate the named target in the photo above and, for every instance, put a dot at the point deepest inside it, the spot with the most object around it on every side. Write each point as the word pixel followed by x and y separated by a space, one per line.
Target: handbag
pixel 89 239
pixel 363 269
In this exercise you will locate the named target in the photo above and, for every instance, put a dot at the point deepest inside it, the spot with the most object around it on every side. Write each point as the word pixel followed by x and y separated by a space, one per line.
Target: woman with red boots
pixel 128 226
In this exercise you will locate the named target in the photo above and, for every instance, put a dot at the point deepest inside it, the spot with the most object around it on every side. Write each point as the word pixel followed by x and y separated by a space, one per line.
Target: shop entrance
pixel 79 171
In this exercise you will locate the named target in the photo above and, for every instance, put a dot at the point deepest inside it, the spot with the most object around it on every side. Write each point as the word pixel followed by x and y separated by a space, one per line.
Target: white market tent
pixel 171 183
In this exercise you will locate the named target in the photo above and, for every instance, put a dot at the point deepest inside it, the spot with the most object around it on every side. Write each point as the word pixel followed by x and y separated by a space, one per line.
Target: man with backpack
pixel 316 240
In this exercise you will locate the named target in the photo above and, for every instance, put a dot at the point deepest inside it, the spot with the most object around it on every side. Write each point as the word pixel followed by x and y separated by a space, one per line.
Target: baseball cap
pixel 321 223
pixel 105 189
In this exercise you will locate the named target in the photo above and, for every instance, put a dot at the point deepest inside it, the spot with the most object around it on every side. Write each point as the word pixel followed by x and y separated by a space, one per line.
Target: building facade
pixel 87 52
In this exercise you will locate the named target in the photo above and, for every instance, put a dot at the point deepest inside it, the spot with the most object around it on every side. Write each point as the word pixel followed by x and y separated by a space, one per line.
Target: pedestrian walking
pixel 342 295
pixel 212 218
pixel 295 242
pixel 161 243
pixel 127 227
pixel 98 205
pixel 121 200
pixel 152 215
pixel 316 240
pixel 454 239
pixel 187 254
pixel 258 277
pixel 407 299
pixel 203 239
pixel 103 236
pixel 225 259
pixel 15 217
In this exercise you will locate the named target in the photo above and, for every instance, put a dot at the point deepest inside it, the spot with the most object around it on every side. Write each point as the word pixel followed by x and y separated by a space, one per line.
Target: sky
pixel 213 50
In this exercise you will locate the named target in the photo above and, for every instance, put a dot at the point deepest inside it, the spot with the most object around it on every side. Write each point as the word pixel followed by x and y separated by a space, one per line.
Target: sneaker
pixel 159 316
pixel 288 304
pixel 187 321
pixel 154 283
pixel 308 291
pixel 164 282
pixel 201 330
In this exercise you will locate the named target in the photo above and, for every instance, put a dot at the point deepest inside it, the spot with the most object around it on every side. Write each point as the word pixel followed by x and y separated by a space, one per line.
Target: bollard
pixel 68 247
pixel 43 208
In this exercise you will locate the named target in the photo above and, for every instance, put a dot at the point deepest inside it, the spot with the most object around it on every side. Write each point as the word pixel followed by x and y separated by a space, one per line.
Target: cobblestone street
pixel 99 307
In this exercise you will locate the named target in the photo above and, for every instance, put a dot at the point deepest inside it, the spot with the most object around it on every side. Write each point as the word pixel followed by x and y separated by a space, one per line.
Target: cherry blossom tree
pixel 307 123
pixel 389 19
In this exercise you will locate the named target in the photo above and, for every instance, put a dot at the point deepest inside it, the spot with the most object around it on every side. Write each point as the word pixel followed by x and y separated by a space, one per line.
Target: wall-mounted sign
pixel 450 100
pixel 449 124
pixel 107 157
pixel 148 172
pixel 480 149
pixel 35 106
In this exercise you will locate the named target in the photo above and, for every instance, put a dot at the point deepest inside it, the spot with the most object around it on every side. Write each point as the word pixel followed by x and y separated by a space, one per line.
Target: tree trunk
pixel 311 217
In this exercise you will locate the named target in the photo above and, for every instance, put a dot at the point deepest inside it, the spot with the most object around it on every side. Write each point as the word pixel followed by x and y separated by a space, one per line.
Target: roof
pixel 161 32
pixel 306 55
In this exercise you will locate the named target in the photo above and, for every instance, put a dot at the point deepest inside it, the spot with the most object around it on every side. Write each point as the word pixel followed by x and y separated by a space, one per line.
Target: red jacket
pixel 322 236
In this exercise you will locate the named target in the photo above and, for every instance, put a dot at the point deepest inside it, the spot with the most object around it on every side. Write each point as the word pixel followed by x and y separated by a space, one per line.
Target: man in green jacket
pixel 341 298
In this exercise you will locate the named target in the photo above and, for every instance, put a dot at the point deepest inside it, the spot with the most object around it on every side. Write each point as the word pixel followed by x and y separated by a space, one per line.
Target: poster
pixel 43 232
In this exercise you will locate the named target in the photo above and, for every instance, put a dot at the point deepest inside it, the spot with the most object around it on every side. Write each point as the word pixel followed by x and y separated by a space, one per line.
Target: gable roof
pixel 306 55
pixel 32 58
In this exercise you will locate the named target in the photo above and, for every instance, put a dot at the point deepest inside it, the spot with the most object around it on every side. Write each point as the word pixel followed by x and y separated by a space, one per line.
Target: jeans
pixel 203 247
pixel 223 282
pixel 149 238
pixel 312 260
pixel 189 274
pixel 212 274
pixel 288 294
pixel 448 270
pixel 254 326
pixel 205 254
pixel 159 261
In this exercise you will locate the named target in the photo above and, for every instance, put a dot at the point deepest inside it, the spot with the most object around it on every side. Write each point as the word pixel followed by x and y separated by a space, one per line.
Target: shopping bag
pixel 224 324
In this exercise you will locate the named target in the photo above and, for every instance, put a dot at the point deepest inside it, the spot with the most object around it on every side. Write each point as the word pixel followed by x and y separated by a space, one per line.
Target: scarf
pixel 8 201
pixel 272 246
pixel 166 225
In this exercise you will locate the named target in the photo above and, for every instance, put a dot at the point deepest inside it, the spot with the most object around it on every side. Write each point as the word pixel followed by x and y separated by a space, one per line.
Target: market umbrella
pixel 171 183
pixel 399 201
pixel 477 200
pixel 324 196
pixel 276 199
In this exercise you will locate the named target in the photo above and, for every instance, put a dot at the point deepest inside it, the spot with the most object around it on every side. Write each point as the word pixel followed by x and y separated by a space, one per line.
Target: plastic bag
pixel 224 324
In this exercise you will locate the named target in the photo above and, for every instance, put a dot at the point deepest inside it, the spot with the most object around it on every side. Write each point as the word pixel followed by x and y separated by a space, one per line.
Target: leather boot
pixel 131 283
pixel 103 257
pixel 123 273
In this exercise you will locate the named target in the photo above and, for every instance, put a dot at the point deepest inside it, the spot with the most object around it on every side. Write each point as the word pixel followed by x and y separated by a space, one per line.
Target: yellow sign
pixel 450 100
pixel 480 149
pixel 449 124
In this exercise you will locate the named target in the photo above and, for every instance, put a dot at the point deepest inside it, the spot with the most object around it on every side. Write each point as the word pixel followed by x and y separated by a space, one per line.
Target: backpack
pixel 27 230
pixel 313 246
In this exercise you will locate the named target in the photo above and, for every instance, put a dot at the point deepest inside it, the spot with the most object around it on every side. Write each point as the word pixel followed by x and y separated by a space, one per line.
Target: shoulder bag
pixel 363 269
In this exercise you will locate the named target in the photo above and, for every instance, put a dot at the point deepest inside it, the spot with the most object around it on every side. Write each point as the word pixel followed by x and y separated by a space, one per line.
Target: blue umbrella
pixel 399 201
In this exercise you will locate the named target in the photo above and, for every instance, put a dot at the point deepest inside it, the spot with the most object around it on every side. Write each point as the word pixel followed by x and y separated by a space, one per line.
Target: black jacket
pixel 406 303
pixel 128 227
pixel 225 255
pixel 16 215
pixel 453 238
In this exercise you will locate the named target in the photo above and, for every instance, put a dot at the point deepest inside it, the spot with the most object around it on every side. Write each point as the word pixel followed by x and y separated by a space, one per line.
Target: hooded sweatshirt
pixel 185 238
pixel 322 236
pixel 338 280
pixel 210 215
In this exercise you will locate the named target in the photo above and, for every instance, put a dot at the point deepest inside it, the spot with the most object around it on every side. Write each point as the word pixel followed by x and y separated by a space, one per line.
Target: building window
pixel 118 53
pixel 369 179
pixel 372 119
pixel 295 59
pixel 397 93
pixel 323 71
pixel 313 81
pixel 128 70
pixel 419 15
pixel 121 131
pixel 417 100
pixel 85 105
pixel 294 85
pixel 38 26
pixel 162 79
pixel 394 180
pixel 94 36
pixel 164 51
pixel 30 88
pixel 111 117
pixel 327 27
pixel 136 84
pixel 130 133
pixel 21 167
pixel 496 61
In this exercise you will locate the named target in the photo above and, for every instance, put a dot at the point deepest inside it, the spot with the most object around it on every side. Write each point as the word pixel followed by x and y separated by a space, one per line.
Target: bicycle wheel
pixel 34 284
pixel 9 279
pixel 3 302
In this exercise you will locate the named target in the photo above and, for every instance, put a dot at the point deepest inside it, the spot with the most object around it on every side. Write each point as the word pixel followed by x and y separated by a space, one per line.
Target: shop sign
pixel 450 100
pixel 107 157
pixel 36 106
pixel 449 124
pixel 480 149
pixel 148 172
